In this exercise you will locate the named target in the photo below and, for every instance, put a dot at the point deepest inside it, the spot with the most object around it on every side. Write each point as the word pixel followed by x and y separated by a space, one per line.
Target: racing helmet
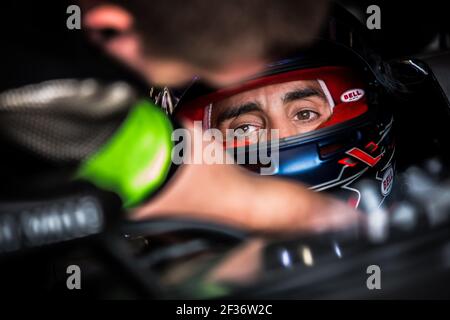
pixel 354 142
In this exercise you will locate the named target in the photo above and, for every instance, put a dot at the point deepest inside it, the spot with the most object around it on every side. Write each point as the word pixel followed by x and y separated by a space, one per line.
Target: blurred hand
pixel 235 196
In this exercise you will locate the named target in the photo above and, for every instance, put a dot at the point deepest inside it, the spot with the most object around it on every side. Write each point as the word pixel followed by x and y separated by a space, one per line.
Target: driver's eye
pixel 245 129
pixel 306 115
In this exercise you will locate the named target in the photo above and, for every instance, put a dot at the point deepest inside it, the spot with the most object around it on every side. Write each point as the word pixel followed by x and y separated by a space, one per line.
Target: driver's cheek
pixel 288 130
pixel 285 126
pixel 307 127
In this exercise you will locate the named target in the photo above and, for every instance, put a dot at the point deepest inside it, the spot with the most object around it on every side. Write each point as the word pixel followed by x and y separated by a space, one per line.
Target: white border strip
pixel 327 93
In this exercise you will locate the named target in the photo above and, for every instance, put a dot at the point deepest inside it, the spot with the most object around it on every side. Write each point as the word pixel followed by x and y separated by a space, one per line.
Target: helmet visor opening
pixel 281 106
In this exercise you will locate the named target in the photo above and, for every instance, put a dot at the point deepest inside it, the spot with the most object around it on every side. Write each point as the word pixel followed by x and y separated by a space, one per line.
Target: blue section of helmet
pixel 299 160
pixel 315 159
pixel 314 163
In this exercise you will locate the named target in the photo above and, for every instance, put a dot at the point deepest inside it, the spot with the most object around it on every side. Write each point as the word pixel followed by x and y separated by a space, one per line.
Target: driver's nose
pixel 285 127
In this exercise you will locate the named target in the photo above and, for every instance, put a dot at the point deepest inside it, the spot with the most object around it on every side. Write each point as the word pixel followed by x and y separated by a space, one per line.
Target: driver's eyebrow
pixel 299 94
pixel 236 111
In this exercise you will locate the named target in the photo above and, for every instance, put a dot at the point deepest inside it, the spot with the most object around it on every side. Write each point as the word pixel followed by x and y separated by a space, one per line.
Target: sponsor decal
pixel 364 157
pixel 352 95
pixel 387 181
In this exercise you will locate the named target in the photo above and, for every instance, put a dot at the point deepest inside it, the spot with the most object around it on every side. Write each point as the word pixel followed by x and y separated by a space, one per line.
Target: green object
pixel 135 162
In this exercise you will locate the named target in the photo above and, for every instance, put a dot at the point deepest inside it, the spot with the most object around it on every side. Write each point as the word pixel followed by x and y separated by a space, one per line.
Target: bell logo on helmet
pixel 352 95
pixel 387 181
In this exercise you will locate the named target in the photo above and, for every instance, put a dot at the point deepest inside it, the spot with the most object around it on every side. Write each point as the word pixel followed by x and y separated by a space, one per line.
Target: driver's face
pixel 293 107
